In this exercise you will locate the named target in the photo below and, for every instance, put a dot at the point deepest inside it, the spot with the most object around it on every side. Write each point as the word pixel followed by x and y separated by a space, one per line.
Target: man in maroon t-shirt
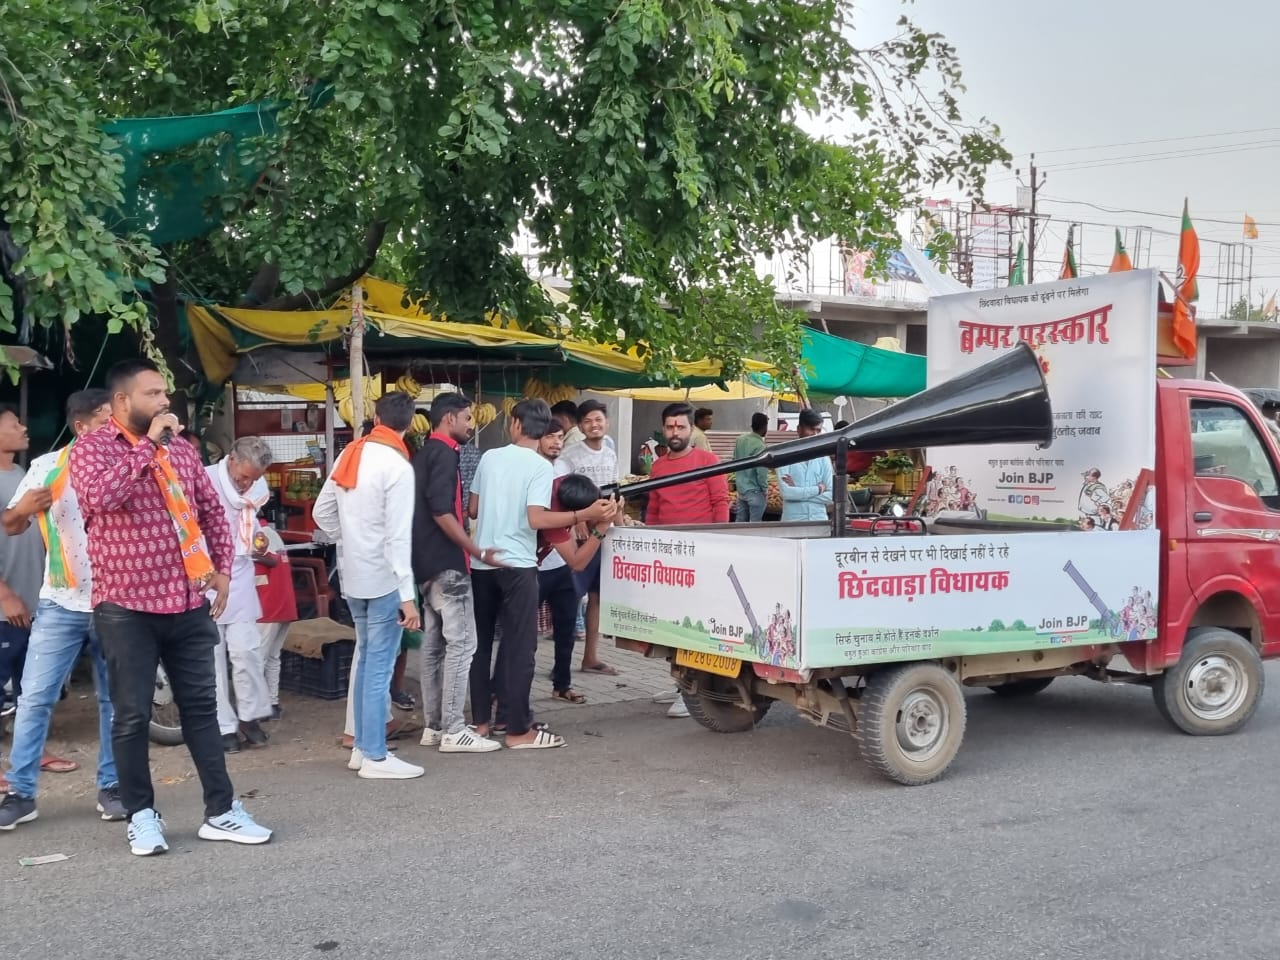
pixel 698 501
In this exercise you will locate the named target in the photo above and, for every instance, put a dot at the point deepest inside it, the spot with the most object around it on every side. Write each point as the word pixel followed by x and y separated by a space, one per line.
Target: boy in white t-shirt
pixel 511 500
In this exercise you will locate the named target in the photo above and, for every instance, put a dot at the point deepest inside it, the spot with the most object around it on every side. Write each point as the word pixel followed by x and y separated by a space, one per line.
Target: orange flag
pixel 1120 261
pixel 1069 270
pixel 1250 228
pixel 1185 289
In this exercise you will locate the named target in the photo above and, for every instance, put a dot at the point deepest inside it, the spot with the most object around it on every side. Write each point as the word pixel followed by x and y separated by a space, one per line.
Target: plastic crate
pixel 326 678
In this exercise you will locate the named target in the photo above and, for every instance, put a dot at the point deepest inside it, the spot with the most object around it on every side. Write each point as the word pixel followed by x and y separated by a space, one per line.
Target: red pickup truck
pixel 1215 491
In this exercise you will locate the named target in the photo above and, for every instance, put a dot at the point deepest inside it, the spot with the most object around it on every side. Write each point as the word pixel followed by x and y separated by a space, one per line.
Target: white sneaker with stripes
pixel 467 740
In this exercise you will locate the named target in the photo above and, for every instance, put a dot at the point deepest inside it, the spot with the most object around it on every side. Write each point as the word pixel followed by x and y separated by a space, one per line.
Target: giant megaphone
pixel 1004 401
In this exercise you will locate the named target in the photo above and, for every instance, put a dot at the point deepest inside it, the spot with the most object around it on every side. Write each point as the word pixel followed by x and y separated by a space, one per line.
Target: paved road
pixel 1074 825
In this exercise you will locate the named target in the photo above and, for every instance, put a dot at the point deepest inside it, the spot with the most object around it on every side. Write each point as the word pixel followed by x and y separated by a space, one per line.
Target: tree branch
pixel 372 243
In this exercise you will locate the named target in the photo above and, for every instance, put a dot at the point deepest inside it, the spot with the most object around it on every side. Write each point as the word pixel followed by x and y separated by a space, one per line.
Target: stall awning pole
pixel 330 412
pixel 357 359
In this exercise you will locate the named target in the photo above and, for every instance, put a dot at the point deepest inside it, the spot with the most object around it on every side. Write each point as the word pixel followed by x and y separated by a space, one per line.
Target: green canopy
pixel 833 367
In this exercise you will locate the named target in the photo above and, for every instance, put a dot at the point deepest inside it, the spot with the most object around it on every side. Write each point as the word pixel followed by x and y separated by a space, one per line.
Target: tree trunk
pixel 164 297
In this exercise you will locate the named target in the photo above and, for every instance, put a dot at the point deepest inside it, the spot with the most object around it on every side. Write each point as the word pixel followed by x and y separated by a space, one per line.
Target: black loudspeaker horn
pixel 1004 401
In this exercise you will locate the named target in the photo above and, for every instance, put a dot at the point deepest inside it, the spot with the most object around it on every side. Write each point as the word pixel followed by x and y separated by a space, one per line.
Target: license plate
pixel 709 662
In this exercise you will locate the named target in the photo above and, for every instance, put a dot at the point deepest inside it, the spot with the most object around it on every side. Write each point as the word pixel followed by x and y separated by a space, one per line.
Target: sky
pixel 1081 84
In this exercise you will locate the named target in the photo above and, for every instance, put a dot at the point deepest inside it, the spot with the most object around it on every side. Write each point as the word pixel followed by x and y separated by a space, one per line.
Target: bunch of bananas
pixel 347 411
pixel 419 426
pixel 484 414
pixel 535 388
pixel 508 404
pixel 407 384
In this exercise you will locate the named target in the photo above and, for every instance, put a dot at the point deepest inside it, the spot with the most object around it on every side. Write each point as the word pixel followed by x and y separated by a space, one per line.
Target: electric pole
pixel 1031 226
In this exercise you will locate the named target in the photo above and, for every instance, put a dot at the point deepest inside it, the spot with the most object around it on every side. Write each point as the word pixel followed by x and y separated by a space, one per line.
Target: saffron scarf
pixel 347 469
pixel 195 557
pixel 61 575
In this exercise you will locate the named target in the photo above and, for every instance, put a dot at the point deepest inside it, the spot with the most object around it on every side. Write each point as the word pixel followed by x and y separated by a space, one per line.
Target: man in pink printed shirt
pixel 159 547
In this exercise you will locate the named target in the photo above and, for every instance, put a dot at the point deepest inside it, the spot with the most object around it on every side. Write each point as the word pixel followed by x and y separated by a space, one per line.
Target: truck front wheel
pixel 1214 687
pixel 910 722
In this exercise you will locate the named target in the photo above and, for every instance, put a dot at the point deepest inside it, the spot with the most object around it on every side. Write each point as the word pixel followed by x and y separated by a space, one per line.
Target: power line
pixel 1191 154
pixel 1134 143
pixel 1150 213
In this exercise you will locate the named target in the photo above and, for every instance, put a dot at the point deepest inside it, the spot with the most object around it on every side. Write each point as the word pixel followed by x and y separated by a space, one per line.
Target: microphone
pixel 166 436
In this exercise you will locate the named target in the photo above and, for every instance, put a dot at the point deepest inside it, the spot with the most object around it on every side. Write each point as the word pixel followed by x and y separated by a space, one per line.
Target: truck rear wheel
pixel 911 722
pixel 717 705
pixel 1214 687
pixel 1019 689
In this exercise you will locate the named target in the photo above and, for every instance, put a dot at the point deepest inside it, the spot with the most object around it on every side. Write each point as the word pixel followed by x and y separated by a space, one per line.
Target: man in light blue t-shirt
pixel 510 501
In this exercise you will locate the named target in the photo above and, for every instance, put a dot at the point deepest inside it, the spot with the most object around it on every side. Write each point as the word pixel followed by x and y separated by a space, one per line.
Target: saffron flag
pixel 1017 275
pixel 1269 311
pixel 1069 270
pixel 1185 289
pixel 1120 260
pixel 1250 228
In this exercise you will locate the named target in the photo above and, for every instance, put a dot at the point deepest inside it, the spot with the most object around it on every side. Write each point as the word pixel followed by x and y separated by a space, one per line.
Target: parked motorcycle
pixel 166 724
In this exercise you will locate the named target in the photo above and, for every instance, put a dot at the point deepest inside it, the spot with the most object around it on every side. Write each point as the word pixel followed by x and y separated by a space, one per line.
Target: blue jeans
pixel 448 646
pixel 378 634
pixel 750 506
pixel 13 653
pixel 57 635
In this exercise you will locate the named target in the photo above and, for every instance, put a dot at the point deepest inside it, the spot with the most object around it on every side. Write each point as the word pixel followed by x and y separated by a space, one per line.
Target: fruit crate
pixel 326 678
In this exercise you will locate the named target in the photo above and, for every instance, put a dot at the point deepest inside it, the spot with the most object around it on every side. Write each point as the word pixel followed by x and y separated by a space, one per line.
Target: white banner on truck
pixel 732 596
pixel 1096 340
pixel 917 598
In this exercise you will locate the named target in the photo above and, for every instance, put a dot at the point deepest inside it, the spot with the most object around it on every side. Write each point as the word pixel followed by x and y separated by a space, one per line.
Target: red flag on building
pixel 1185 289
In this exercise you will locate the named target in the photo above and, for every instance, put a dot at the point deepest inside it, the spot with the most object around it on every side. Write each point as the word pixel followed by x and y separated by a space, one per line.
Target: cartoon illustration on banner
pixel 1096 342
pixel 731 596
pixel 906 598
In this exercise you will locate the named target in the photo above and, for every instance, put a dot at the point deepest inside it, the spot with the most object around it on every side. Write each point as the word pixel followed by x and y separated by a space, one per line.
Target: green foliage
pixel 650 149
pixel 996 626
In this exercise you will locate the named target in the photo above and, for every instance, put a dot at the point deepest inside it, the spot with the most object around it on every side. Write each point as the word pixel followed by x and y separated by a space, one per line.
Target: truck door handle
pixel 1203 516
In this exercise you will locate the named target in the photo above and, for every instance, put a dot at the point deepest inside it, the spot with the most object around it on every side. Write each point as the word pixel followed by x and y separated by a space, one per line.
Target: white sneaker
pixel 356 761
pixel 467 741
pixel 678 709
pixel 431 737
pixel 390 768
pixel 669 697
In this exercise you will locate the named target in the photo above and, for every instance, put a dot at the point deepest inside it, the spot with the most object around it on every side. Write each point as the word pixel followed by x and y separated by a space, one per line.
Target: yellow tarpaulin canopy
pixel 214 331
pixel 711 393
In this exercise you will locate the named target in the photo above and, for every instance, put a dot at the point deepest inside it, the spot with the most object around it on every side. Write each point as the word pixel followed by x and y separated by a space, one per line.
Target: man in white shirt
pixel 63 620
pixel 366 505
pixel 511 500
pixel 237 478
pixel 595 459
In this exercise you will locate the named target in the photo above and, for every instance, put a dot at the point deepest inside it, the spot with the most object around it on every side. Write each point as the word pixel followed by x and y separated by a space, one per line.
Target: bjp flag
pixel 1120 260
pixel 1185 289
pixel 1069 269
pixel 1250 228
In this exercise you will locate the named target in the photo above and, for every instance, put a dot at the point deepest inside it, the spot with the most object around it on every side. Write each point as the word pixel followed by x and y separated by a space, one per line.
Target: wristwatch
pixel 597 534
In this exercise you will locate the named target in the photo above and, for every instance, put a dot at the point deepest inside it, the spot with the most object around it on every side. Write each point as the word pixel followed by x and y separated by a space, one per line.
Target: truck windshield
pixel 1225 443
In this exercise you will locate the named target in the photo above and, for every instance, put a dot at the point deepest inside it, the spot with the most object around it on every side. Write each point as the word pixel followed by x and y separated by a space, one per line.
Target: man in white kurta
pixel 238 480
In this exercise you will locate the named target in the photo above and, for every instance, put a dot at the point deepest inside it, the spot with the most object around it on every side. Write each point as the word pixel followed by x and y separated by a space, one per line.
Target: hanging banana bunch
pixel 484 414
pixel 508 404
pixel 419 426
pixel 406 384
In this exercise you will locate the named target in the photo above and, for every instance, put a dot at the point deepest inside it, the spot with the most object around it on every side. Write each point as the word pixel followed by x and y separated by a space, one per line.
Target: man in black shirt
pixel 442 552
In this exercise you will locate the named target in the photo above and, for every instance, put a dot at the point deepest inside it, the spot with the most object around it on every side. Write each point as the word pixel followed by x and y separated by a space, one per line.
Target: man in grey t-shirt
pixel 21 563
